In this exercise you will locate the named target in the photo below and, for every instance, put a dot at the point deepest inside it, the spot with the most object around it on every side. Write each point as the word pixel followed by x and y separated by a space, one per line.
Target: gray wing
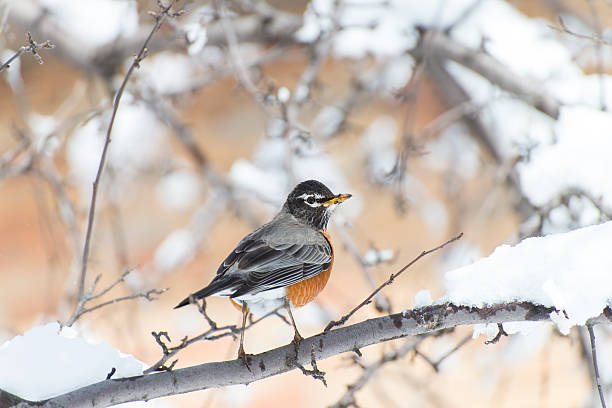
pixel 256 265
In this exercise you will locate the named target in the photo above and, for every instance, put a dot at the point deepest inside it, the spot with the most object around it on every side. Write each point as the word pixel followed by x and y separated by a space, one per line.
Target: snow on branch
pixel 442 46
pixel 425 320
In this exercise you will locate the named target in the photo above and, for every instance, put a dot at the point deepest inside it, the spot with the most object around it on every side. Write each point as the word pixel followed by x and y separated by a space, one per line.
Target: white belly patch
pixel 264 302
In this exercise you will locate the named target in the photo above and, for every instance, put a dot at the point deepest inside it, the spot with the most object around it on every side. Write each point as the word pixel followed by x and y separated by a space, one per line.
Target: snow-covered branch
pixel 442 46
pixel 425 320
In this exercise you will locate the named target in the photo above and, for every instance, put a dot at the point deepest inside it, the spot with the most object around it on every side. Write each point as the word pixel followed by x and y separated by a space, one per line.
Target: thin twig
pixel 32 47
pixel 500 332
pixel 232 44
pixel 595 366
pixel 566 30
pixel 600 57
pixel 315 372
pixel 214 332
pixel 160 17
pixel 450 352
pixel 90 295
pixel 389 281
pixel 149 295
pixel 348 399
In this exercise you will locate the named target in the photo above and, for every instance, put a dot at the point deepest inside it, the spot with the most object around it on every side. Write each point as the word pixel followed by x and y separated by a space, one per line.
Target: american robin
pixel 286 261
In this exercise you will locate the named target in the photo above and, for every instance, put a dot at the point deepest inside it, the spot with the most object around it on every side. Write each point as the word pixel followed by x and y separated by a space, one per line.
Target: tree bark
pixel 280 360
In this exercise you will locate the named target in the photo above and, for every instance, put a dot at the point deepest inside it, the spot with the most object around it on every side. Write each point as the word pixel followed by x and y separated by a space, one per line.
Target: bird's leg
pixel 297 338
pixel 241 353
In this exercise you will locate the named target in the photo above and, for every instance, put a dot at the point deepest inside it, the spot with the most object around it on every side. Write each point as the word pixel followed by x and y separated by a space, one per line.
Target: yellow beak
pixel 337 199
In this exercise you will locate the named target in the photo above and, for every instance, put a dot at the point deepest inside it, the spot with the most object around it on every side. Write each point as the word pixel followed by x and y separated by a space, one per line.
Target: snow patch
pixel 179 190
pixel 579 158
pixel 35 358
pixel 177 248
pixel 96 22
pixel 556 270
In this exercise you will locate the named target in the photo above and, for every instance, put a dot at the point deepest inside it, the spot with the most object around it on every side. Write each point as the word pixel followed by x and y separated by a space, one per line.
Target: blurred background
pixel 439 117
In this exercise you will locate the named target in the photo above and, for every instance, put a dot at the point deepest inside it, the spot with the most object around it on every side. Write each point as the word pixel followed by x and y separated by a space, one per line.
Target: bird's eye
pixel 310 200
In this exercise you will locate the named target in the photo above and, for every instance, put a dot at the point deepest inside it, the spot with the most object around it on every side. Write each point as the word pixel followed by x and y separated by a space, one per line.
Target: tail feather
pixel 216 286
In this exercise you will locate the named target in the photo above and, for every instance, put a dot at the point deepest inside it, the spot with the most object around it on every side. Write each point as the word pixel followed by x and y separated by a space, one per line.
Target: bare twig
pixel 595 366
pixel 565 29
pixel 32 48
pixel 232 43
pixel 348 399
pixel 389 281
pixel 436 364
pixel 160 17
pixel 90 295
pixel 600 56
pixel 465 340
pixel 315 372
pixel 214 332
pixel 149 295
pixel 500 332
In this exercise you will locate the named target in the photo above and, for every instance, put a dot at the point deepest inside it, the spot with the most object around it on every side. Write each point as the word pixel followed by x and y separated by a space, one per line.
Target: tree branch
pixel 88 296
pixel 160 17
pixel 32 47
pixel 277 361
pixel 595 366
pixel 442 46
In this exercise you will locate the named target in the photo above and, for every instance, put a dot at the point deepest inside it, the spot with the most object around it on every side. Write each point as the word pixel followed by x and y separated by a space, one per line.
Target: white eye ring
pixel 311 199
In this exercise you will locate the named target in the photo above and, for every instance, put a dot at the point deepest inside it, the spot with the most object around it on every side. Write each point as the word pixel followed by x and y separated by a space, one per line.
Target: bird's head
pixel 312 203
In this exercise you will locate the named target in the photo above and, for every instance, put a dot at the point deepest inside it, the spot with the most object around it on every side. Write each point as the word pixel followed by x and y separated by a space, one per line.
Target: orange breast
pixel 305 291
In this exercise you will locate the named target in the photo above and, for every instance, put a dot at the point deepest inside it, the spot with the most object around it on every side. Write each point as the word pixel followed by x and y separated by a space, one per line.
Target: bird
pixel 285 262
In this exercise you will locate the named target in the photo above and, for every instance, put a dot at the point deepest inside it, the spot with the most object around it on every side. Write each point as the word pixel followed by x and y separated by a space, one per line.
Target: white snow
pixel 327 121
pixel 177 248
pixel 283 94
pixel 48 361
pixel 454 151
pixel 381 28
pixel 397 73
pixel 378 145
pixel 459 254
pixel 267 175
pixel 169 72
pixel 236 395
pixel 569 271
pixel 137 143
pixel 527 46
pixel 43 126
pixel 580 158
pixel 95 22
pixel 196 36
pixel 422 298
pixel 179 190
pixel 13 73
pixel 377 256
pixel 311 315
pixel 266 183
